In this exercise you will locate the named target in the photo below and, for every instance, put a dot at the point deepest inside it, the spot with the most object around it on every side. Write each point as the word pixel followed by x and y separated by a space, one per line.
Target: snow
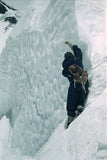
pixel 33 92
pixel 4 127
pixel 3 37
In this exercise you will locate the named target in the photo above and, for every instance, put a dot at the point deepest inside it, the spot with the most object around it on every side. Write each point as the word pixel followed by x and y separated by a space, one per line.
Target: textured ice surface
pixel 32 88
pixel 33 92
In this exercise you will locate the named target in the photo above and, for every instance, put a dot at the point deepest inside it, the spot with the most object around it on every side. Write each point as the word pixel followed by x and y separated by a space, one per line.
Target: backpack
pixel 79 75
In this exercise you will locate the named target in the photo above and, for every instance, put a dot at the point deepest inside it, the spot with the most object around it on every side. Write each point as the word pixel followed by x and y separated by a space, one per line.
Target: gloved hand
pixel 69 44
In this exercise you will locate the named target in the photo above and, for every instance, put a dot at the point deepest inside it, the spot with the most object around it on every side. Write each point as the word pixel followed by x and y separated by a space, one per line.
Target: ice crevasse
pixel 33 92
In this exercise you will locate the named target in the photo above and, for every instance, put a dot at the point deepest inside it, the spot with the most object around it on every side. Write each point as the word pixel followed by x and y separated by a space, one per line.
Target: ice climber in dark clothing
pixel 77 92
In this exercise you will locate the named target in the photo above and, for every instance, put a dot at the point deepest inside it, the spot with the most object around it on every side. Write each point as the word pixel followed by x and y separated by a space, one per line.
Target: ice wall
pixel 32 90
pixel 91 27
pixel 89 138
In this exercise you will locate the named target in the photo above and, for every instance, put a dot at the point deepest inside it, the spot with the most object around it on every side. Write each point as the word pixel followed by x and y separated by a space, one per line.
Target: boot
pixel 80 109
pixel 70 119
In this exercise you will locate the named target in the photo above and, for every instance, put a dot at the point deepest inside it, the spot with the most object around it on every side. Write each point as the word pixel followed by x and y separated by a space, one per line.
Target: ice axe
pixel 71 46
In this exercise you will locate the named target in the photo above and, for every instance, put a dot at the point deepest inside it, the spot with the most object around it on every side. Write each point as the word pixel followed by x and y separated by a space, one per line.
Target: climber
pixel 78 78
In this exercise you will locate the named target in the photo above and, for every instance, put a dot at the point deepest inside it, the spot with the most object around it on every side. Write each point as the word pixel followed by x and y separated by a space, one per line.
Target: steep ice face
pixel 91 26
pixel 31 86
pixel 32 91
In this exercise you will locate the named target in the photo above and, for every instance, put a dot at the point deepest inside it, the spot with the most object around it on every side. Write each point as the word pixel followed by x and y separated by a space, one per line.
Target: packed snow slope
pixel 33 92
